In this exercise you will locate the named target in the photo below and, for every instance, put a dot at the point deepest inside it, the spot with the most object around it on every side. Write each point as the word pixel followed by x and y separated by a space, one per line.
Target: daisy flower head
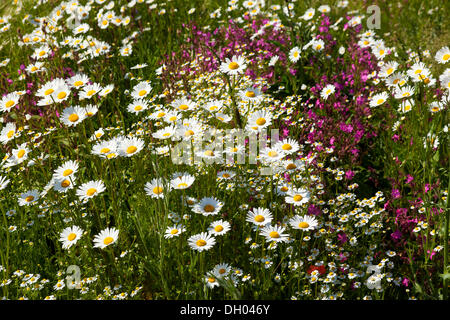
pixel 388 69
pixel 141 90
pixel 404 92
pixel 20 154
pixel 250 94
pixel 297 196
pixel 288 146
pixel 137 106
pixel 294 54
pixel 327 91
pixel 443 55
pixel 66 170
pixel 90 91
pixel 219 227
pixel 213 106
pixel 4 181
pixel 70 236
pixel 90 110
pixel 130 146
pixel 259 120
pixel 78 81
pixel 221 269
pixel 28 198
pixel 8 132
pixel 165 133
pixel 202 241
pixel 61 91
pixel 72 116
pixel 106 237
pixel 62 185
pixel 183 104
pixel 9 101
pixel 318 45
pixel 174 231
pixel 259 216
pixel 90 189
pixel 106 90
pixel 233 66
pixel 208 206
pixel 156 188
pixel 274 233
pixel 305 223
pixel 182 181
pixel 378 99
pixel 272 154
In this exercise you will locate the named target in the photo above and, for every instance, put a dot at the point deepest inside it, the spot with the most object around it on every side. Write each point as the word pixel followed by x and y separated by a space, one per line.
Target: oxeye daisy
pixel 309 14
pixel 20 154
pixel 183 104
pixel 404 92
pixel 130 146
pixel 406 106
pixel 223 117
pixel 90 110
pixel 82 28
pixel 106 90
pixel 211 281
pixel 271 154
pixel 317 45
pixel 172 117
pixel 61 91
pixel 89 91
pixel 297 197
pixel 165 133
pixel 221 269
pixel 28 198
pixel 66 170
pixel 9 101
pixel 442 55
pixel 259 120
pixel 274 233
pixel 289 165
pixel 305 223
pixel 8 132
pixel 62 185
pixel 294 54
pixel 250 94
pixel 288 146
pixel 182 181
pixel 219 227
pixel 259 216
pixel 70 236
pixel 90 189
pixel 141 90
pixel 208 206
pixel 202 241
pixel 72 116
pixel 213 106
pixel 137 106
pixel 226 175
pixel 159 114
pixel 388 69
pixel 104 148
pixel 78 81
pixel 233 66
pixel 4 182
pixel 327 91
pixel 174 231
pixel 156 188
pixel 106 237
pixel 378 99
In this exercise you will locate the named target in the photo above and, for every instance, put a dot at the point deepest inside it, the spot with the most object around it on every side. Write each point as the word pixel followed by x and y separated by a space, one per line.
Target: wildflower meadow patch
pixel 245 150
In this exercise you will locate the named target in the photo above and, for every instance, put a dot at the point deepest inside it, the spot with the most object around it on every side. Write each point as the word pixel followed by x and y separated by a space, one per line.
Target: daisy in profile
pixel 226 175
pixel 219 227
pixel 174 231
pixel 66 170
pixel 406 106
pixel 274 233
pixel 141 90
pixel 182 181
pixel 208 206
pixel 8 132
pixel 211 281
pixel 213 106
pixel 403 92
pixel 293 165
pixel 4 182
pixel 378 99
pixel 130 146
pixel 106 90
pixel 156 188
pixel 327 91
pixel 259 216
pixel 139 66
pixel 250 94
pixel 294 54
pixel 106 237
pixel 202 241
pixel 183 104
pixel 298 196
pixel 305 223
pixel 28 198
pixel 259 120
pixel 90 189
pixel 233 66
pixel 70 236
pixel 388 69
pixel 72 116
pixel 104 148
pixel 443 55
pixel 9 101
pixel 165 133
pixel 90 110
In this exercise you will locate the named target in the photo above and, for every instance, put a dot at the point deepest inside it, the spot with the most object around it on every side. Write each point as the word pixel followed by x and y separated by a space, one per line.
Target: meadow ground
pixel 224 150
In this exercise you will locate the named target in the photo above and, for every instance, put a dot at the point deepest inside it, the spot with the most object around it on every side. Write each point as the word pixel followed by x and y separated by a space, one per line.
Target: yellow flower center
pixel 189 133
pixel 259 218
pixel 381 52
pixel 157 190
pixel 73 117
pixel 272 153
pixel 250 94
pixel 201 243
pixel 446 57
pixel 303 225
pixel 41 53
pixel 212 108
pixel 61 95
pixel 380 101
pixel 9 104
pixel 390 70
pixel 274 234
pixel 174 231
pixel 67 172
pixel 10 134
pixel 233 65
pixel 209 153
pixel 71 236
pixel 218 228
pixel 261 121
pixel 131 149
pixel 291 166
pixel 167 134
pixel 182 185
pixel 20 154
pixel 286 146
pixel 208 208
pixel 211 280
pixel 33 69
pixel 183 107
pixel 108 240
pixel 29 198
pixel 284 189
pixel 90 92
pixel 65 183
pixel 226 175
pixel 298 197
pixel 91 192
pixel 142 93
pixel 105 150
